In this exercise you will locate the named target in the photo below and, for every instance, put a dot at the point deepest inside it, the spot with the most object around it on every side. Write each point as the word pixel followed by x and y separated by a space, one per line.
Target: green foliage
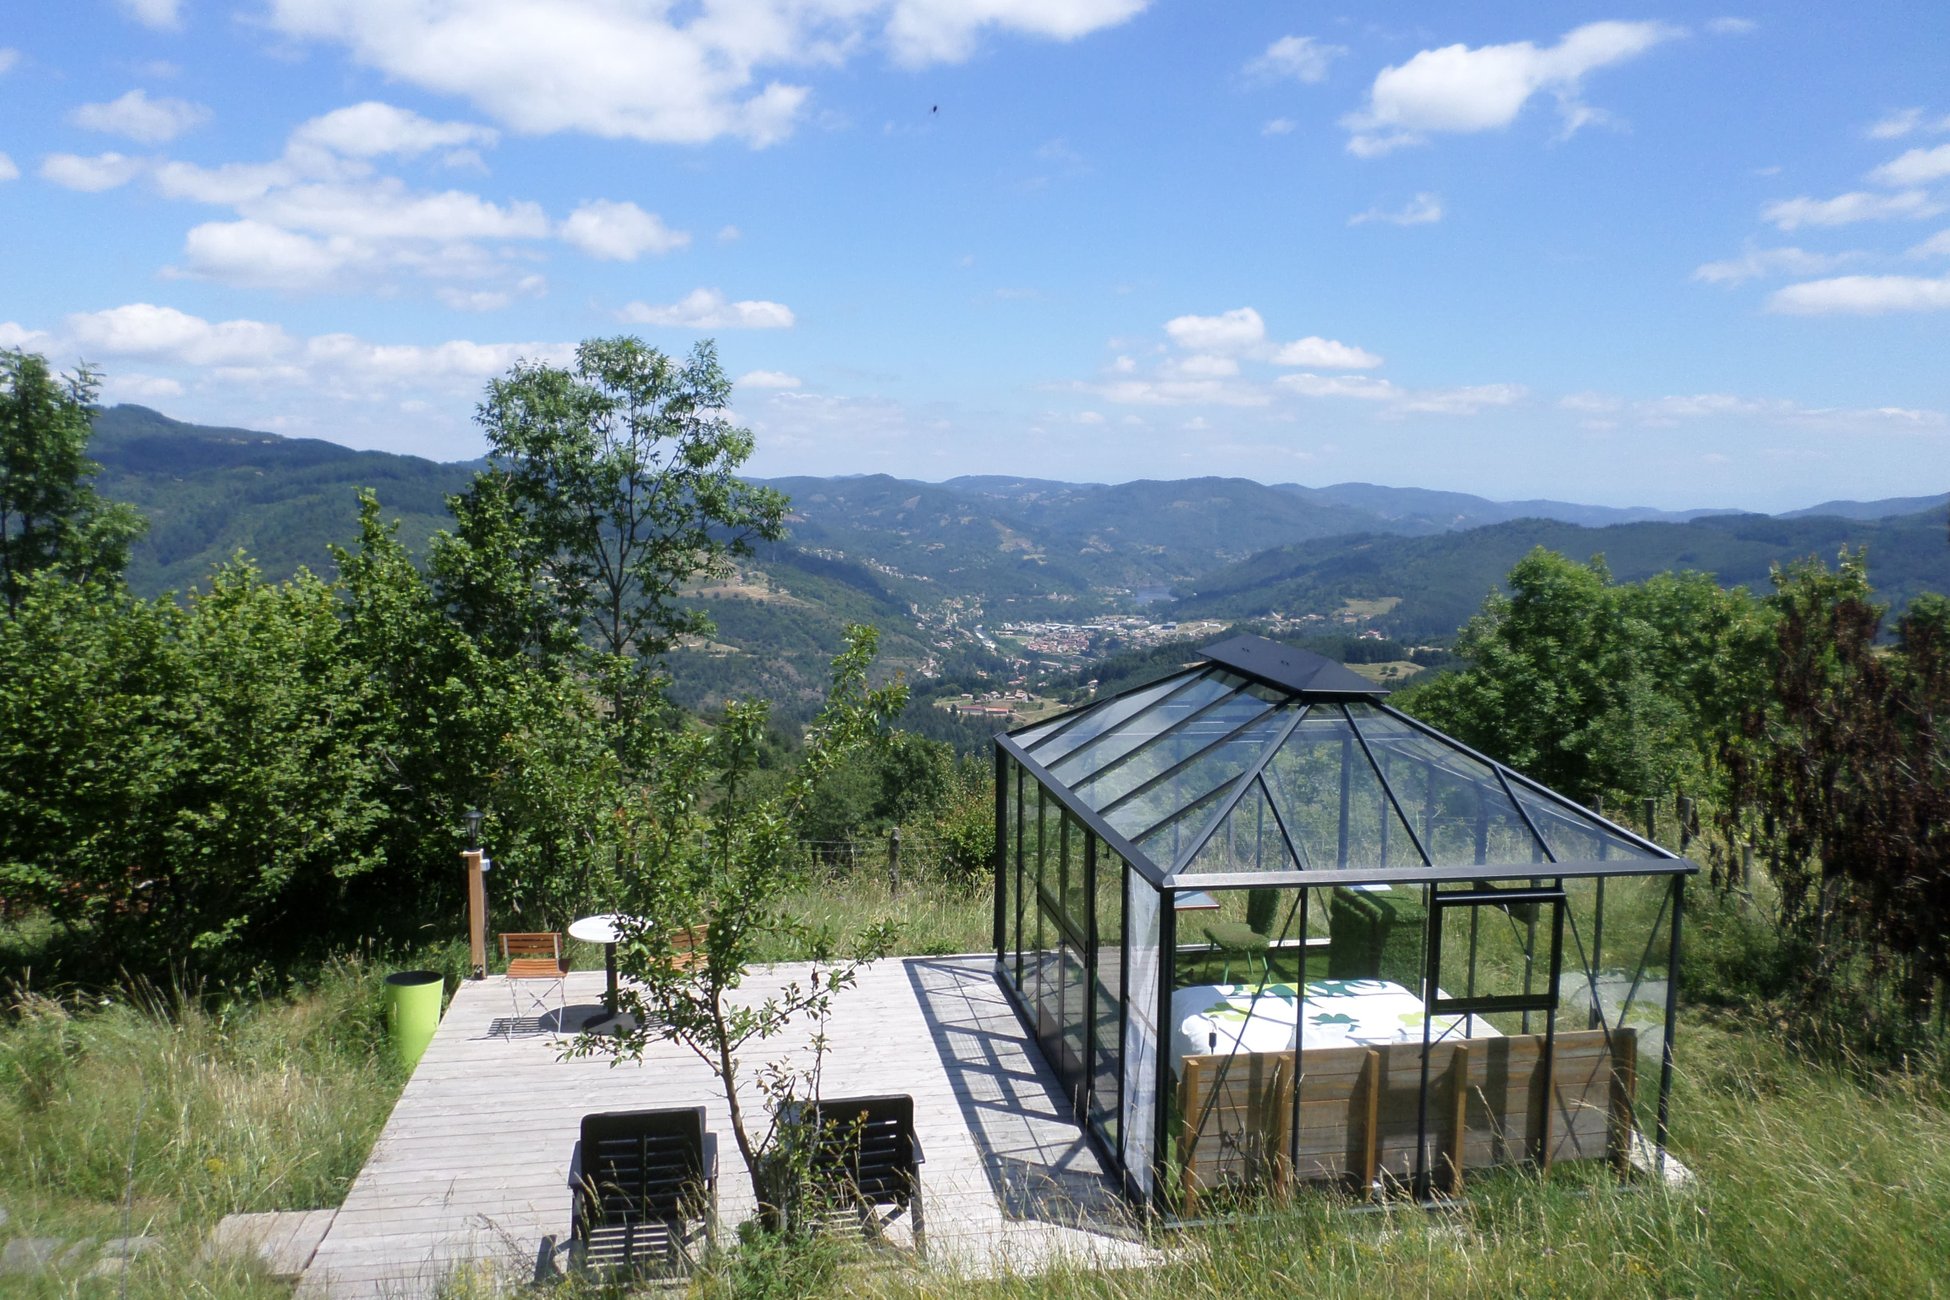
pixel 1599 689
pixel 50 516
pixel 189 782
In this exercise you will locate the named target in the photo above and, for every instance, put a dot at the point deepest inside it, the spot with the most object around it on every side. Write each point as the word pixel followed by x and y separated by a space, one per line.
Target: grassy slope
pixel 1811 1180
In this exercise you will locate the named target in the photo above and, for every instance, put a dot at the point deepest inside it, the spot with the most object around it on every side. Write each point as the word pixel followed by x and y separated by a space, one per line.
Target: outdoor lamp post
pixel 474 863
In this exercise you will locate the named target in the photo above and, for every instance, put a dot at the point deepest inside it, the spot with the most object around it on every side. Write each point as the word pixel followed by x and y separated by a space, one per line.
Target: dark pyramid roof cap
pixel 1290 669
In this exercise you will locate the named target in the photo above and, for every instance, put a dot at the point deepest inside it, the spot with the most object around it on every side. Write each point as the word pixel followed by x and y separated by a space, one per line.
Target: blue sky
pixel 1681 256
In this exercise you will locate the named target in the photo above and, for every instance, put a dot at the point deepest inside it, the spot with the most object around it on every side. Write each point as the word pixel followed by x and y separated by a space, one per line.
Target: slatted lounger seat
pixel 867 1156
pixel 646 1189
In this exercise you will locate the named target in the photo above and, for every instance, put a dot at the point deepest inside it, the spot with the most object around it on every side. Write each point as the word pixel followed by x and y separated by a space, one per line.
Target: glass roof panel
pixel 1574 834
pixel 1046 745
pixel 1333 804
pixel 1164 842
pixel 1458 807
pixel 1210 772
pixel 1248 839
pixel 1154 715
pixel 1182 747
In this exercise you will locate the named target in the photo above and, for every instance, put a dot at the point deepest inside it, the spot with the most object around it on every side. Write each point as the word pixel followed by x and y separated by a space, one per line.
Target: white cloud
pixel 1361 387
pixel 15 335
pixel 657 72
pixel 372 129
pixel 91 175
pixel 261 255
pixel 482 300
pixel 1457 89
pixel 707 309
pixel 385 209
pixel 1756 263
pixel 227 185
pixel 944 31
pixel 139 388
pixel 1732 26
pixel 766 379
pixel 140 118
pixel 1863 295
pixel 1424 209
pixel 1916 167
pixel 164 15
pixel 1232 331
pixel 8 57
pixel 1937 245
pixel 1324 354
pixel 1279 126
pixel 619 232
pixel 1201 365
pixel 729 234
pixel 1859 205
pixel 8 171
pixel 1462 401
pixel 164 334
pixel 1590 403
pixel 1301 58
pixel 1904 121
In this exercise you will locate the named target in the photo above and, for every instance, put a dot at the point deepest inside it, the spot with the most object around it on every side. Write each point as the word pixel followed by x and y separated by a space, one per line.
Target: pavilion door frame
pixel 1445 909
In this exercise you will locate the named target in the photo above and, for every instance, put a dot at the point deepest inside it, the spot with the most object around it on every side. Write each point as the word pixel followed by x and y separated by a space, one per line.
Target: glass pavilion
pixel 1272 933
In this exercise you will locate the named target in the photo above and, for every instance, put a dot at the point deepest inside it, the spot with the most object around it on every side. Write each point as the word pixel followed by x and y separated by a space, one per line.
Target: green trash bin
pixel 412 1012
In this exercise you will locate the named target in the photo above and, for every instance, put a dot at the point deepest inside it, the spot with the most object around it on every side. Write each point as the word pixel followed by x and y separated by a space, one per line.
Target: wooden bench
pixel 1359 1108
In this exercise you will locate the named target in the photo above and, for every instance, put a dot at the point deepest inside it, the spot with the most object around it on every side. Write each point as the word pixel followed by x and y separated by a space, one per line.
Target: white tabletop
pixel 598 929
pixel 1336 1013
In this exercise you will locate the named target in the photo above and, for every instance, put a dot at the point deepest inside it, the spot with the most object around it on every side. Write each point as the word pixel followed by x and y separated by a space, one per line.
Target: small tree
pixel 49 515
pixel 618 481
pixel 705 864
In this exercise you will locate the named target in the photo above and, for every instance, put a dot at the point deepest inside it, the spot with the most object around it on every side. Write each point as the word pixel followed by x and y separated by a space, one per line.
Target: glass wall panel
pixel 1007 864
pixel 1107 1006
pixel 1140 1118
pixel 1617 975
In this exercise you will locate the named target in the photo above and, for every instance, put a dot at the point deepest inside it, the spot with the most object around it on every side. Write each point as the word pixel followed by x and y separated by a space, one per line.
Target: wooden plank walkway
pixel 472 1169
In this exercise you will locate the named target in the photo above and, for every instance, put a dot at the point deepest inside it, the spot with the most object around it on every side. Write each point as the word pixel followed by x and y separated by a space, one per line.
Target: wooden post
pixel 1189 1103
pixel 1747 865
pixel 894 862
pixel 1624 1087
pixel 476 913
pixel 1652 819
pixel 1371 1133
pixel 1459 1121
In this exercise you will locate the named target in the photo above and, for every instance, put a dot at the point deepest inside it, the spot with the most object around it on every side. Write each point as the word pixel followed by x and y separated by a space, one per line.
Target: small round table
pixel 604 929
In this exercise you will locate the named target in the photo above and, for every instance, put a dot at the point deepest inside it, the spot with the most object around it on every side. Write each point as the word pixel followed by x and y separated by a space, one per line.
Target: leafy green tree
pixel 1597 689
pixel 610 485
pixel 459 725
pixel 707 852
pixel 1844 766
pixel 192 783
pixel 49 513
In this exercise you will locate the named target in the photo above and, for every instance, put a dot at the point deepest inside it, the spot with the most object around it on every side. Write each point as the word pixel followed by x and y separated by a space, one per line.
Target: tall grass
pixel 158 1114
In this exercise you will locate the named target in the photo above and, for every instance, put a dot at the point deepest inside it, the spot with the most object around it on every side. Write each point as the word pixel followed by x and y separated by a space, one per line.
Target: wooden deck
pixel 472 1169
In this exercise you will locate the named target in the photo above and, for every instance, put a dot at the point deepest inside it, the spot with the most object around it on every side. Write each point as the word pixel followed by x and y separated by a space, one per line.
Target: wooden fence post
pixel 476 913
pixel 894 862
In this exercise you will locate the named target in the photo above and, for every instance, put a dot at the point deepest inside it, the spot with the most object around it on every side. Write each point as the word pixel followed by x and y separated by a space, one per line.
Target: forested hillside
pixel 1441 579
